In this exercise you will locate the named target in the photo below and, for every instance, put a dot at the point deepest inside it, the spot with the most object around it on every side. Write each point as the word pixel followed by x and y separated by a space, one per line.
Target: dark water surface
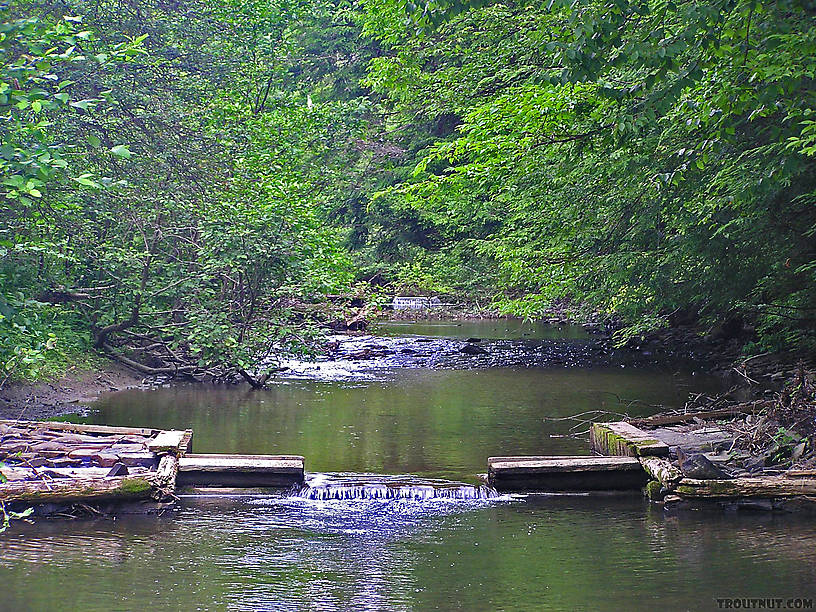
pixel 357 416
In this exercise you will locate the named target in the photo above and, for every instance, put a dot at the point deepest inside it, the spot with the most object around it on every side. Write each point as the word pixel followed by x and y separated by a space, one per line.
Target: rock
pixel 83 453
pixel 68 438
pixel 119 469
pixel 53 474
pixel 472 349
pixel 64 462
pixel 125 448
pixel 474 339
pixel 16 447
pixel 132 439
pixel 47 446
pixel 759 505
pixel 32 460
pixel 15 473
pixel 798 451
pixel 699 467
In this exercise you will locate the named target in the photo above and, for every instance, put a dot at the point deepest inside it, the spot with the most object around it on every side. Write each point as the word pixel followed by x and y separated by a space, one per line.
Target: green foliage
pixel 187 210
pixel 641 158
pixel 172 186
pixel 8 515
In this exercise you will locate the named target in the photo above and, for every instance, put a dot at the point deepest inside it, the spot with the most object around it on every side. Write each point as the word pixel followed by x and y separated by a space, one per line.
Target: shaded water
pixel 393 516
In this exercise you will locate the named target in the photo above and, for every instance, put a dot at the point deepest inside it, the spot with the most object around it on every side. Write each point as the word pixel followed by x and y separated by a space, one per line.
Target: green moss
pixel 653 490
pixel 620 445
pixel 134 486
pixel 720 487
pixel 712 488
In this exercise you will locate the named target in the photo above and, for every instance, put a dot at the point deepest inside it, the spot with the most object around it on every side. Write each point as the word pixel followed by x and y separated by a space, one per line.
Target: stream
pixel 395 427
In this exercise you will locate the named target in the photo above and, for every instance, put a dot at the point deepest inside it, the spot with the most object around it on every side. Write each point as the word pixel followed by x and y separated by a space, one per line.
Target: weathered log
pixel 164 481
pixel 76 489
pixel 80 428
pixel 705 415
pixel 662 471
pixel 621 438
pixel 800 474
pixel 768 486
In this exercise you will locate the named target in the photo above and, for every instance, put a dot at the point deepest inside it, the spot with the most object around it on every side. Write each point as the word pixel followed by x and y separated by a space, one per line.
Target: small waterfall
pixel 381 487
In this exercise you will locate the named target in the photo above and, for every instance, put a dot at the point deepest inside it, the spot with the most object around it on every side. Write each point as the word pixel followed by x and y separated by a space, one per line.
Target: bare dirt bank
pixel 47 399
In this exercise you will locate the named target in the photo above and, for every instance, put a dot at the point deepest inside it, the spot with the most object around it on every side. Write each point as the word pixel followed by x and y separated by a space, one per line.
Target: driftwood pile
pixel 64 462
pixel 30 452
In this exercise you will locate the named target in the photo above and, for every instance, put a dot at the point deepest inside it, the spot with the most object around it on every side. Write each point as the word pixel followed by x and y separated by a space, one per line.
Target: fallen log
pixel 76 490
pixel 704 415
pixel 79 428
pixel 768 486
pixel 662 471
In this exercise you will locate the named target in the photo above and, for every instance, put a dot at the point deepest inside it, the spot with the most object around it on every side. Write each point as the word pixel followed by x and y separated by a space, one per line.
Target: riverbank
pixel 68 393
pixel 753 378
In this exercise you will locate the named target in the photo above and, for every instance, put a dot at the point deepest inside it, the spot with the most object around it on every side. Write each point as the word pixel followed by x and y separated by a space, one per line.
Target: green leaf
pixel 82 104
pixel 121 151
pixel 85 179
pixel 15 181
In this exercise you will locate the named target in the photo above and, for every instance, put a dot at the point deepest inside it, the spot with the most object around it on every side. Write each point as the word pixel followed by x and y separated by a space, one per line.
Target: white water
pixel 386 487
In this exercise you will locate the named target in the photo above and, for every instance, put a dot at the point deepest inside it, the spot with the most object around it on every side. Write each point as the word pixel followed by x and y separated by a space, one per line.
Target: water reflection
pixel 437 424
pixel 282 553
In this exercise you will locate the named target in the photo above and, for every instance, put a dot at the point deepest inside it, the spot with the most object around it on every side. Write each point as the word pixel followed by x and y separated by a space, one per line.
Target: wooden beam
pixel 558 473
pixel 241 470
pixel 168 441
pixel 623 439
pixel 81 428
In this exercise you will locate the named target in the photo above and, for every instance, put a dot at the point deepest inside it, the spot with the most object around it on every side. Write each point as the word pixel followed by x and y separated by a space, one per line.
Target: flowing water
pixel 395 429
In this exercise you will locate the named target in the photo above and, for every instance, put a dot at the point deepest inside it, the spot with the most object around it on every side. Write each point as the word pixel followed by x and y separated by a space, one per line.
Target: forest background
pixel 178 179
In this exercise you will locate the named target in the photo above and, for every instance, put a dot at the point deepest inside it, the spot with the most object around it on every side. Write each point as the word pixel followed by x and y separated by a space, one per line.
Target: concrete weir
pixel 576 473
